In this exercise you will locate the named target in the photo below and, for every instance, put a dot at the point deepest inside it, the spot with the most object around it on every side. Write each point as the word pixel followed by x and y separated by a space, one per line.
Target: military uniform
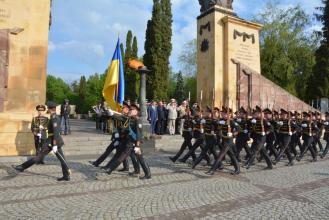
pixel 259 127
pixel 53 143
pixel 286 129
pixel 308 131
pixel 39 129
pixel 241 141
pixel 198 134
pixel 128 145
pixel 210 140
pixel 227 129
pixel 187 135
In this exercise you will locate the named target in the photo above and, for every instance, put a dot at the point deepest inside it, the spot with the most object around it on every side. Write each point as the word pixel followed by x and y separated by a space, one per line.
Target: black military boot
pixel 173 159
pixel 18 168
pixel 93 163
pixel 64 178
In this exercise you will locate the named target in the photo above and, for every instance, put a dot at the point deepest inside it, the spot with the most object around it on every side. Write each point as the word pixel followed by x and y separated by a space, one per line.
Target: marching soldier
pixel 210 138
pixel 132 143
pixel 228 130
pixel 286 129
pixel 121 124
pixel 198 134
pixel 259 127
pixel 308 131
pixel 243 135
pixel 53 143
pixel 39 129
pixel 187 135
pixel 270 134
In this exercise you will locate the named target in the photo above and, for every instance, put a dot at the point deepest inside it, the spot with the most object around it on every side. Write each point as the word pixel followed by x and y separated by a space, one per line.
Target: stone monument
pixel 24 27
pixel 228 62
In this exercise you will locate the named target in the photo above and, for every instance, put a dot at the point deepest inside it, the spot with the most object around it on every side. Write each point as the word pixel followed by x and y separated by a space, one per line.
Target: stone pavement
pixel 174 192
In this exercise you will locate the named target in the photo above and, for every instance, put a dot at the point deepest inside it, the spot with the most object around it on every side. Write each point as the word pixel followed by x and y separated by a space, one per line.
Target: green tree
pixel 137 78
pixel 179 93
pixel 190 86
pixel 188 58
pixel 130 75
pixel 122 51
pixel 287 52
pixel 57 89
pixel 82 95
pixel 158 49
pixel 319 86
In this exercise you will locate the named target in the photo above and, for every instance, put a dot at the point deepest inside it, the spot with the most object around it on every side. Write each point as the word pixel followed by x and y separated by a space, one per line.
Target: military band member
pixel 54 143
pixel 39 129
pixel 326 135
pixel 187 135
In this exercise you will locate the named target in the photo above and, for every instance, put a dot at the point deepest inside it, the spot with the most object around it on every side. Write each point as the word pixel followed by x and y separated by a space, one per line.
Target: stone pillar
pixel 24 25
pixel 222 36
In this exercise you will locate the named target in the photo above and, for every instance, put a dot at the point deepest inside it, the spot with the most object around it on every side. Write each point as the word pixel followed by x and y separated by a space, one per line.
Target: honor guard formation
pixel 263 134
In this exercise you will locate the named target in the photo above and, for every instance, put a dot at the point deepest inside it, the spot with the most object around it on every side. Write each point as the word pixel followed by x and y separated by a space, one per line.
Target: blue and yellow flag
pixel 114 87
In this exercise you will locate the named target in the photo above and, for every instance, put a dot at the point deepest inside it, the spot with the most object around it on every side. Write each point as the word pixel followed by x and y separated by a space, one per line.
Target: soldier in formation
pixel 261 133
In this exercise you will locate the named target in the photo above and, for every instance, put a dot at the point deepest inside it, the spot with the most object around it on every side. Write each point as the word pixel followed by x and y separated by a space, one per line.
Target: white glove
pixel 263 133
pixel 239 120
pixel 229 134
pixel 222 122
pixel 110 112
pixel 212 132
pixel 55 149
pixel 254 121
pixel 39 135
pixel 268 123
pixel 290 133
pixel 116 135
pixel 137 150
pixel 189 129
pixel 326 123
pixel 280 123
pixel 304 125
pixel 203 121
pixel 116 143
pixel 201 130
pixel 41 127
pixel 245 131
pixel 193 121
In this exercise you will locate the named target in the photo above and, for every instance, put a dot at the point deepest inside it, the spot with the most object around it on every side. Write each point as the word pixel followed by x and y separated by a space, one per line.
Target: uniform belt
pixel 50 134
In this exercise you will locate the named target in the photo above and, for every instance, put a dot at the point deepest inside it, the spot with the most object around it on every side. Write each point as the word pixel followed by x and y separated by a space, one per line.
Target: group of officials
pixel 126 141
pixel 263 134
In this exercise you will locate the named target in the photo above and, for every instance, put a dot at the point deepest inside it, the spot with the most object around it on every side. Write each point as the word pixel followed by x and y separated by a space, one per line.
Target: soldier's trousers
pixel 270 139
pixel 317 141
pixel 45 151
pixel 284 141
pixel 308 145
pixel 258 147
pixel 144 165
pixel 293 143
pixel 241 141
pixel 226 149
pixel 107 152
pixel 187 143
pixel 198 143
pixel 209 147
pixel 38 143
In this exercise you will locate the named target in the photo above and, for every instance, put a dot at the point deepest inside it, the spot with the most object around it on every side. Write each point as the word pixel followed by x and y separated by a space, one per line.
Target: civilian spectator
pixel 152 116
pixel 172 116
pixel 181 113
pixel 194 109
pixel 161 119
pixel 97 109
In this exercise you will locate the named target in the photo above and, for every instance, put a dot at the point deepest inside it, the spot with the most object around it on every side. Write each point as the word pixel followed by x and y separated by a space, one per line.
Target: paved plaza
pixel 174 192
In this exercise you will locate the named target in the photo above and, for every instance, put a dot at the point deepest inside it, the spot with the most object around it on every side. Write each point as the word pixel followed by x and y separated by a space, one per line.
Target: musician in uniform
pixel 39 129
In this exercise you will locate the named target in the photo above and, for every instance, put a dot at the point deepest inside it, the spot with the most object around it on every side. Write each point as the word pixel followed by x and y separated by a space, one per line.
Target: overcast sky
pixel 84 32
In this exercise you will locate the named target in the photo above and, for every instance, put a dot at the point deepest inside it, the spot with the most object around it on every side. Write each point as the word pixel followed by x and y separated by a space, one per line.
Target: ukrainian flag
pixel 114 87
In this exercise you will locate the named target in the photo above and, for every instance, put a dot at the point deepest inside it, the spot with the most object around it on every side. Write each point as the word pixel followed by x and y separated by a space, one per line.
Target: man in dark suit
pixel 161 118
pixel 152 116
